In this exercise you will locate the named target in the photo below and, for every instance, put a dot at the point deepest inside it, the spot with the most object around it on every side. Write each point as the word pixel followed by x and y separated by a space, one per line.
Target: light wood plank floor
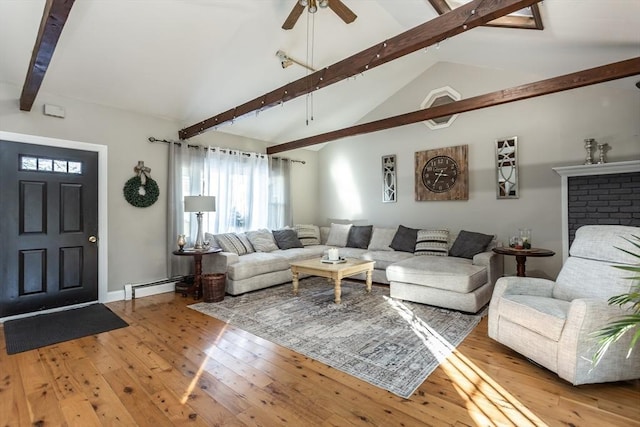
pixel 175 366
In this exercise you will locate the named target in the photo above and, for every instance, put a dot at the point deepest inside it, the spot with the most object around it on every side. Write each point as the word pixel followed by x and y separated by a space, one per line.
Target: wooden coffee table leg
pixel 337 291
pixel 294 273
pixel 369 280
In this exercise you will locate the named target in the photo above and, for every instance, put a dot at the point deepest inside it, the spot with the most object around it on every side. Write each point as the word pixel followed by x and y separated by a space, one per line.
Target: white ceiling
pixel 188 60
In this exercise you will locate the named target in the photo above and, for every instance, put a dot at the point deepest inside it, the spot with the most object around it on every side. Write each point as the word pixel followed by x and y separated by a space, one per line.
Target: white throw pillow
pixel 381 238
pixel 338 235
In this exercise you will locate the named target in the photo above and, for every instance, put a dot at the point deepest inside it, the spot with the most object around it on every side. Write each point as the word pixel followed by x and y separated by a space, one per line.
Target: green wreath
pixel 132 192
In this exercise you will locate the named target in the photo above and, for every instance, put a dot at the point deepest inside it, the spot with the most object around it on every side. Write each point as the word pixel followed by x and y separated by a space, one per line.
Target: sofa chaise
pixel 415 263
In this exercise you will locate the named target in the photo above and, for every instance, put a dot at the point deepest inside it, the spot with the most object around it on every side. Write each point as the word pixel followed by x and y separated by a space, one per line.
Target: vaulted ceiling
pixel 188 60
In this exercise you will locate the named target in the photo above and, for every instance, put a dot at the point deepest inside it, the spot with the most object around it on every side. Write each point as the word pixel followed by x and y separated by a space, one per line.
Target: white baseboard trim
pixel 142 292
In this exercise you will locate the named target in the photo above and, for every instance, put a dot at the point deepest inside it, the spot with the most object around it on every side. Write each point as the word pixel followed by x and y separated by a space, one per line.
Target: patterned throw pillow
pixel 338 235
pixel 432 242
pixel 262 240
pixel 308 234
pixel 237 243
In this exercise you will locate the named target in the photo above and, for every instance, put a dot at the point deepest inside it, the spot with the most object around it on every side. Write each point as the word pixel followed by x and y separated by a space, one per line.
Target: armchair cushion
pixel 546 316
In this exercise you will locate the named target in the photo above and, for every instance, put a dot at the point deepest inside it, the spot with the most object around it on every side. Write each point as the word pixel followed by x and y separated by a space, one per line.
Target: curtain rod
pixel 154 140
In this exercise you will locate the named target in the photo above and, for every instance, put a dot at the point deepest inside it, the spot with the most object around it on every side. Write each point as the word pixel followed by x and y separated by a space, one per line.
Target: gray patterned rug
pixel 389 343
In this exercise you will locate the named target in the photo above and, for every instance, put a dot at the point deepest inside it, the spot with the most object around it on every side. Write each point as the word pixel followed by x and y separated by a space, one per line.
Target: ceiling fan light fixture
pixel 313 6
pixel 303 3
pixel 323 3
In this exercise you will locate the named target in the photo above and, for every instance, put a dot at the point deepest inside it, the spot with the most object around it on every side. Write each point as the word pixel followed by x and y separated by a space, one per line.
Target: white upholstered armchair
pixel 552 323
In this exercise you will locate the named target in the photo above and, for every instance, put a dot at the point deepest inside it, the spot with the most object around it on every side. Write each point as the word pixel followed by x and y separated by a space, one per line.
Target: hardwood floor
pixel 175 366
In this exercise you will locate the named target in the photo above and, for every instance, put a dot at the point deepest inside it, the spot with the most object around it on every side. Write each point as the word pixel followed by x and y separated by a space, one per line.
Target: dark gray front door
pixel 48 227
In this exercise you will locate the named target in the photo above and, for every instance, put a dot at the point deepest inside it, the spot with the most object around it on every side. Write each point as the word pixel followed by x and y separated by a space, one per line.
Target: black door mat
pixel 45 329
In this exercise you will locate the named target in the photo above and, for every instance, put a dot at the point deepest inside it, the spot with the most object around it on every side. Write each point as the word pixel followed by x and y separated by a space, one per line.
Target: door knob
pixel 93 239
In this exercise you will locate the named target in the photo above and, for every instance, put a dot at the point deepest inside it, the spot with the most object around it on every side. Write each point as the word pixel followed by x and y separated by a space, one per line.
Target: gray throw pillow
pixel 359 236
pixel 262 240
pixel 405 239
pixel 287 238
pixel 470 243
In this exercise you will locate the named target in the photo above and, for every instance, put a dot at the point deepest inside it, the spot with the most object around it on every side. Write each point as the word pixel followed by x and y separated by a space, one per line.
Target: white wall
pixel 136 240
pixel 550 133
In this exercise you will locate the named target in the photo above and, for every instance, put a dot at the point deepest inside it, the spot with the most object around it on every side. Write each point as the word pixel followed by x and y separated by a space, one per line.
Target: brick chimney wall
pixel 603 199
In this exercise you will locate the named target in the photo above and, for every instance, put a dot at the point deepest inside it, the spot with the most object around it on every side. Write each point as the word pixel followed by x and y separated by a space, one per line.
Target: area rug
pixel 38 331
pixel 389 343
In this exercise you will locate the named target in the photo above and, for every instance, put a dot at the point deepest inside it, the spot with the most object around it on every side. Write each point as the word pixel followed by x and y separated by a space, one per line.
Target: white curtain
pixel 240 182
pixel 280 212
pixel 186 167
pixel 252 191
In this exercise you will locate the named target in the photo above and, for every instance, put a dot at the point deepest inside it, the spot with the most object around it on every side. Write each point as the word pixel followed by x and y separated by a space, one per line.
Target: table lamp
pixel 199 204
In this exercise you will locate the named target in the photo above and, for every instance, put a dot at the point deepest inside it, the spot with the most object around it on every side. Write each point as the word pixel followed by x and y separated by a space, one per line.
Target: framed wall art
pixel 389 179
pixel 507 182
pixel 442 174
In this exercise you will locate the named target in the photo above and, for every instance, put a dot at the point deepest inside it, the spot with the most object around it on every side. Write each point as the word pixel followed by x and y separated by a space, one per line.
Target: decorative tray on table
pixel 329 261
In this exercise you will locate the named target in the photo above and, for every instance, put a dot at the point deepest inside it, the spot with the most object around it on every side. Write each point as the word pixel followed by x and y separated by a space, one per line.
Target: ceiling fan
pixel 337 6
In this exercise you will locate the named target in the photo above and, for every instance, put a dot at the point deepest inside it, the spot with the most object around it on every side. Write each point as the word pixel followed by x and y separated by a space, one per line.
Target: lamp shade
pixel 199 204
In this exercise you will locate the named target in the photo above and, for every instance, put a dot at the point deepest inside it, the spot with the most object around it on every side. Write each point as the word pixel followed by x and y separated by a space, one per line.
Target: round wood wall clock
pixel 442 174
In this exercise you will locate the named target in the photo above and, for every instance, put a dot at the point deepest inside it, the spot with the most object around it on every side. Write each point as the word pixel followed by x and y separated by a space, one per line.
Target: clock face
pixel 440 174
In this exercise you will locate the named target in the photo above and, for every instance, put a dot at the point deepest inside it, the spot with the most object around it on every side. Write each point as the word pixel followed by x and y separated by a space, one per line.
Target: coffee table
pixel 333 272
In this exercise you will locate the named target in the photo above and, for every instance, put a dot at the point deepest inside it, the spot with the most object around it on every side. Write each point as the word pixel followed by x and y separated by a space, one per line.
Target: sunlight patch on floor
pixel 487 402
pixel 202 367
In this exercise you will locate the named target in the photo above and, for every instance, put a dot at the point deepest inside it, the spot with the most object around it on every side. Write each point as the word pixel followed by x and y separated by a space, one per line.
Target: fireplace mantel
pixel 585 170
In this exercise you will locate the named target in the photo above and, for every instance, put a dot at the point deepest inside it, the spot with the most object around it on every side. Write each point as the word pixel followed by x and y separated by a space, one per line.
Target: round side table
pixel 196 288
pixel 521 256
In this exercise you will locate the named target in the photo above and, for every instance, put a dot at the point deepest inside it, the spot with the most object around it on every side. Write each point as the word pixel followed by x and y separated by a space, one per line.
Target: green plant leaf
pixel 616 329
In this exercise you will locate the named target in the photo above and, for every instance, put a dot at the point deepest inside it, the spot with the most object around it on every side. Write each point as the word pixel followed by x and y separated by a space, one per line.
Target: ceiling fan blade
pixel 293 16
pixel 342 11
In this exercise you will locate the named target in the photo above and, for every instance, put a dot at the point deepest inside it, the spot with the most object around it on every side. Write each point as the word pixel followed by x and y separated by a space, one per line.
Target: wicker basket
pixel 213 287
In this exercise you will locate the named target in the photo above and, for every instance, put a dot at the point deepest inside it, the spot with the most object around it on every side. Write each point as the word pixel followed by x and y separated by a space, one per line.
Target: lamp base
pixel 199 243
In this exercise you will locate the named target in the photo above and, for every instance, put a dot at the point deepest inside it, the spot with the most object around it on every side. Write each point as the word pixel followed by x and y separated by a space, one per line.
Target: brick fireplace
pixel 606 193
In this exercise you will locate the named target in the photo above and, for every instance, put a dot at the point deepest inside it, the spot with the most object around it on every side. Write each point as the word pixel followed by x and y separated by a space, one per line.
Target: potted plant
pixel 629 323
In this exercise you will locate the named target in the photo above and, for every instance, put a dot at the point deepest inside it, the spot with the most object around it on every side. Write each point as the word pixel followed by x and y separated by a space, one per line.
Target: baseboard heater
pixel 130 288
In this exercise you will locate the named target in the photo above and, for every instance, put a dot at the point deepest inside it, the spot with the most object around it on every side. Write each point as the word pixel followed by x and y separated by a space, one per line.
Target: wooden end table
pixel 196 288
pixel 521 256
pixel 333 272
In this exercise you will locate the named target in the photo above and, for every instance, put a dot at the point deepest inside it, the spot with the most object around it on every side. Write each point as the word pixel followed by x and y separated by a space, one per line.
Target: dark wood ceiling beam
pixel 459 20
pixel 54 17
pixel 576 80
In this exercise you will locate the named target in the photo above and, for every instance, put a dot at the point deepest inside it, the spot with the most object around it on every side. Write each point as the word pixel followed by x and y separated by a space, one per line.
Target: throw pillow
pixel 287 238
pixel 359 236
pixel 213 243
pixel 381 239
pixel 404 239
pixel 237 243
pixel 432 242
pixel 338 235
pixel 262 240
pixel 469 244
pixel 308 234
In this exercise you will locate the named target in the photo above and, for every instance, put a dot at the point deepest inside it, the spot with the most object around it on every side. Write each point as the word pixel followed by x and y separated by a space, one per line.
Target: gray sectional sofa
pixel 452 282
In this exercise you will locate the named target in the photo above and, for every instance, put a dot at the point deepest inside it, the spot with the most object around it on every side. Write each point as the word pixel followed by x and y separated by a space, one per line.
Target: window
pixel 527 18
